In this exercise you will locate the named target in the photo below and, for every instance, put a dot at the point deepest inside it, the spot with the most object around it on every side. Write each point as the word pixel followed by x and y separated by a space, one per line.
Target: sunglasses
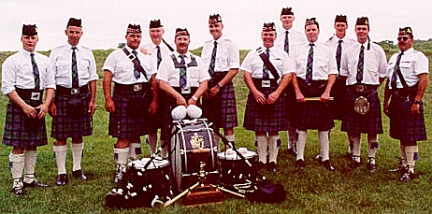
pixel 402 38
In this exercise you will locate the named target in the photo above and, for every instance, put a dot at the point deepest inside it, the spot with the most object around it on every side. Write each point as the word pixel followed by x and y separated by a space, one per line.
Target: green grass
pixel 313 191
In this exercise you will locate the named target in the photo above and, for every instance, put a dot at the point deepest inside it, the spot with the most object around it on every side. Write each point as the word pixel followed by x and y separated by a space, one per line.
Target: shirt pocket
pixel 63 66
pixel 83 66
pixel 193 75
pixel 124 67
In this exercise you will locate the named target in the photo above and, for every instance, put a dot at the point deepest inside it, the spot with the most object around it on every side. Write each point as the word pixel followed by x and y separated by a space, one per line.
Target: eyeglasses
pixel 402 38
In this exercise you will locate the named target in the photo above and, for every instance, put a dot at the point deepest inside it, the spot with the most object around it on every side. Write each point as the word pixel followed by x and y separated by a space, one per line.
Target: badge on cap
pixel 133 28
pixel 215 18
pixel 269 26
pixel 181 32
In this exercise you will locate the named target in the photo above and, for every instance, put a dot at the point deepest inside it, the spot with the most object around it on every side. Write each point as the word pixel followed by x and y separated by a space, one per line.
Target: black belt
pixel 132 87
pixel 72 91
pixel 261 83
pixel 404 92
pixel 362 87
pixel 29 94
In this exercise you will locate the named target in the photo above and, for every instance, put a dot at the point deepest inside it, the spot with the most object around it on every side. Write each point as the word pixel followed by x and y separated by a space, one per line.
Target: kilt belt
pixel 260 83
pixel 405 93
pixel 216 78
pixel 81 91
pixel 363 88
pixel 30 94
pixel 315 89
pixel 123 88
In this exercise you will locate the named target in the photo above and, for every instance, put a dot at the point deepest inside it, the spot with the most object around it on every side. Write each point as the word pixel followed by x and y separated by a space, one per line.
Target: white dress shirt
pixel 278 57
pixel 375 64
pixel 227 55
pixel 324 61
pixel 123 68
pixel 294 37
pixel 61 62
pixel 412 64
pixel 17 71
pixel 195 74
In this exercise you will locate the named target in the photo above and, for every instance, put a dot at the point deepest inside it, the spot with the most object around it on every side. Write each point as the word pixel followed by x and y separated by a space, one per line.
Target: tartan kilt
pixel 338 91
pixel 221 109
pixel 370 123
pixel 266 118
pixel 16 132
pixel 126 121
pixel 290 104
pixel 313 115
pixel 404 125
pixel 65 126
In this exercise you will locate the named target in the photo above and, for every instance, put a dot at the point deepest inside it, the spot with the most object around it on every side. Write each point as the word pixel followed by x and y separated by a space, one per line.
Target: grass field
pixel 313 191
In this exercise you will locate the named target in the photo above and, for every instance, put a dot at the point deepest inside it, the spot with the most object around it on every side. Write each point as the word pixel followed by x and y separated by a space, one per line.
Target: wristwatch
pixel 194 98
pixel 417 102
pixel 218 85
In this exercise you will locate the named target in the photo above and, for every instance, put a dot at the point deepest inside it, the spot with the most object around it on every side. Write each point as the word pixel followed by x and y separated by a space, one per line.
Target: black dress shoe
pixel 300 165
pixel 259 166
pixel 18 189
pixel 35 183
pixel 328 165
pixel 271 167
pixel 79 174
pixel 62 180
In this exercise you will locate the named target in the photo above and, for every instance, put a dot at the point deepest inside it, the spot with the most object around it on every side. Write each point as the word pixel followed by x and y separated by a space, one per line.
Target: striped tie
pixel 183 77
pixel 75 79
pixel 360 65
pixel 35 72
pixel 213 60
pixel 136 64
pixel 339 54
pixel 159 56
pixel 309 65
pixel 286 43
pixel 396 71
pixel 266 75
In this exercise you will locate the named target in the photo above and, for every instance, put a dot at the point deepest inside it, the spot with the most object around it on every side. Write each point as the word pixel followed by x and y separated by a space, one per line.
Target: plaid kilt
pixel 313 115
pixel 128 120
pixel 17 133
pixel 404 125
pixel 370 123
pixel 221 109
pixel 65 126
pixel 338 91
pixel 265 118
pixel 290 104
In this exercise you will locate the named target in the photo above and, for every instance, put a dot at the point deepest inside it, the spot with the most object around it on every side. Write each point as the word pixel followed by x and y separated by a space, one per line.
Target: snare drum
pixel 232 169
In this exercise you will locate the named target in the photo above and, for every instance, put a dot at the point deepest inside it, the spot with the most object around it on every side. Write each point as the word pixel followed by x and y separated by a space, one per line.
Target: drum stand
pixel 200 189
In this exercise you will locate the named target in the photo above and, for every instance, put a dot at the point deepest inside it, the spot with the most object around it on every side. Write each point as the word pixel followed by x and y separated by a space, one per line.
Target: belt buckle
pixel 35 96
pixel 137 87
pixel 360 88
pixel 75 91
pixel 265 83
pixel 185 90
pixel 131 57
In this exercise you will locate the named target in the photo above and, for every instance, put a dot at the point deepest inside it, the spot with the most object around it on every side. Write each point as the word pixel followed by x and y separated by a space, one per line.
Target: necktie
pixel 35 72
pixel 75 79
pixel 395 71
pixel 309 65
pixel 136 63
pixel 159 56
pixel 213 59
pixel 266 75
pixel 286 43
pixel 183 77
pixel 360 65
pixel 339 54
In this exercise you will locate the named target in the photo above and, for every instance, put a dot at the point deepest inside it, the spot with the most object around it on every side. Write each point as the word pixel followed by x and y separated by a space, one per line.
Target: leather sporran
pixel 361 105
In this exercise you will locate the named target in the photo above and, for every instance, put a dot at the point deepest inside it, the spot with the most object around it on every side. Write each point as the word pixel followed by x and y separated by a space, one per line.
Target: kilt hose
pixel 18 132
pixel 338 92
pixel 404 125
pixel 131 111
pixel 221 109
pixel 265 118
pixel 312 114
pixel 65 126
pixel 355 123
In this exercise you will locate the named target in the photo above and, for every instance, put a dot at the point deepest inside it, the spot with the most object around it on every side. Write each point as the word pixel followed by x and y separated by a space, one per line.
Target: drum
pixel 233 170
pixel 193 143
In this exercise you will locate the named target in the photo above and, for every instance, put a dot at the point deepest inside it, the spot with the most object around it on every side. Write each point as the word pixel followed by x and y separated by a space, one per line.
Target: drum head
pixel 233 155
pixel 156 164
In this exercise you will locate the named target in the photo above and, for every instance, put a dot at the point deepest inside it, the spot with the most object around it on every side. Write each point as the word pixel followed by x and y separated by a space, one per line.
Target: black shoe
pixel 328 165
pixel 406 177
pixel 372 165
pixel 18 189
pixel 260 165
pixel 300 165
pixel 271 167
pixel 354 164
pixel 35 183
pixel 61 180
pixel 292 151
pixel 79 174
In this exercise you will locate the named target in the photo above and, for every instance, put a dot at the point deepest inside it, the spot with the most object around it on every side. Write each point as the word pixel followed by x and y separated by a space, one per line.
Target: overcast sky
pixel 105 21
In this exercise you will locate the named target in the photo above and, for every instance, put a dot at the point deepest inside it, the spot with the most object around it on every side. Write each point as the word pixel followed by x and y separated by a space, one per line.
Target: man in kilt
pixel 159 49
pixel 182 77
pixel 25 75
pixel 364 65
pixel 75 99
pixel 221 56
pixel 316 73
pixel 404 90
pixel 266 111
pixel 134 98
pixel 287 39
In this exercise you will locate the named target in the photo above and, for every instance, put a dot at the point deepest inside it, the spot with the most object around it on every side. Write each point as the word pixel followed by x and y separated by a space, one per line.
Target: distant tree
pixel 121 45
